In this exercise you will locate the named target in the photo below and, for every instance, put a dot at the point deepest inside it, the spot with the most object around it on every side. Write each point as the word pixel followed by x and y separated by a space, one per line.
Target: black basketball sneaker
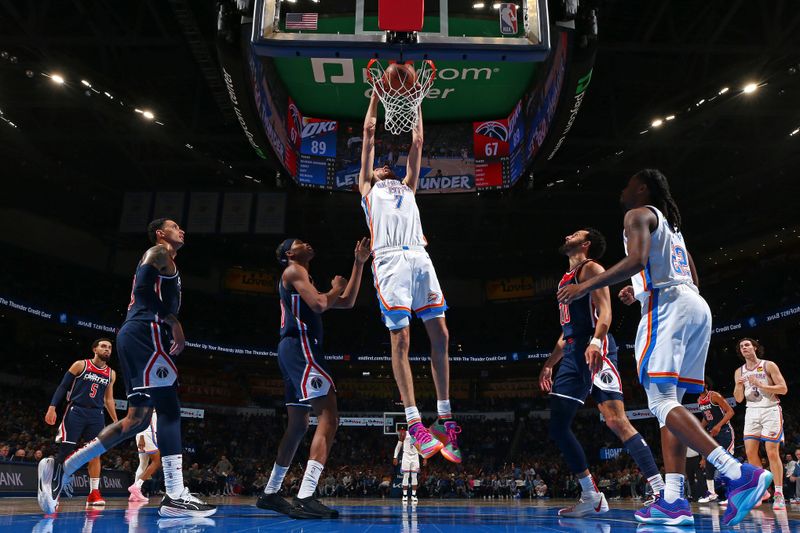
pixel 274 502
pixel 185 505
pixel 311 508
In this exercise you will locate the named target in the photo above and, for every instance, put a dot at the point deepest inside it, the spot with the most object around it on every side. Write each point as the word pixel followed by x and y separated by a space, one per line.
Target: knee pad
pixel 413 478
pixel 661 399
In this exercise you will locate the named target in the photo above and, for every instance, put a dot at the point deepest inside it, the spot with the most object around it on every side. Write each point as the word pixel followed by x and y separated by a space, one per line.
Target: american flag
pixel 301 21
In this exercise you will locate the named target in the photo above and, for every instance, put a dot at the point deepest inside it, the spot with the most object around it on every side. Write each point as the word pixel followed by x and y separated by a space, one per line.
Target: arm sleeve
pixel 144 292
pixel 61 391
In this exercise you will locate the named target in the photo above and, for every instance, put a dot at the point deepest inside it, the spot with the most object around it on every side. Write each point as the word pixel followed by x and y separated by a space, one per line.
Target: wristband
pixel 596 342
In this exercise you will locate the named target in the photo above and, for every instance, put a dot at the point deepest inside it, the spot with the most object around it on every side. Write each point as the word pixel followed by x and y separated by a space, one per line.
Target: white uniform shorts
pixel 673 338
pixel 150 436
pixel 410 465
pixel 406 281
pixel 764 424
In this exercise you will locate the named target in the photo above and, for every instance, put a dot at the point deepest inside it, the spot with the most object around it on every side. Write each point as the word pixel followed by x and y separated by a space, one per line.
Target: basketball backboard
pixel 452 29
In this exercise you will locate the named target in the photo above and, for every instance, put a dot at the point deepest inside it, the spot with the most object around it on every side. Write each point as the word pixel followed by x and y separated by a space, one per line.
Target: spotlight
pixel 479 5
pixel 86 83
pixel 657 122
pixel 671 117
pixel 496 5
pixel 57 79
pixel 148 114
pixel 750 88
pixel 29 73
pixel 723 90
pixel 795 132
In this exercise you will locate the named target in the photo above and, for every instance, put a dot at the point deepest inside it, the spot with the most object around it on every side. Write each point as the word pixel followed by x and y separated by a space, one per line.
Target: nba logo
pixel 508 19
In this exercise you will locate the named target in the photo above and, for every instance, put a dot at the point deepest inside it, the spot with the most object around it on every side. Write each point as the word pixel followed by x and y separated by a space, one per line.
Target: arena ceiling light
pixel 750 88
pixel 794 132
pixel 496 5
pixel 86 83
pixel 657 122
pixel 478 5
pixel 670 117
pixel 57 79
pixel 723 90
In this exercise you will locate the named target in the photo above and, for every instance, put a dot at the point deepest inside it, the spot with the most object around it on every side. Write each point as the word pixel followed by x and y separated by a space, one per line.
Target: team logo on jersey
pixel 760 369
pixel 606 377
pixel 315 383
pixel 433 297
pixel 162 372
pixel 493 129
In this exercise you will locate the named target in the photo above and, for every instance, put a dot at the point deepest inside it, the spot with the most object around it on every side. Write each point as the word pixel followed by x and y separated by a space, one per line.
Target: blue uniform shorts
pixel 303 373
pixel 574 381
pixel 143 349
pixel 80 422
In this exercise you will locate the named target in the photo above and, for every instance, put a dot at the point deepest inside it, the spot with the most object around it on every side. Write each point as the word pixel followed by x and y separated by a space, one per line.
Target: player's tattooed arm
pixel 158 257
pixel 638 224
pixel 368 146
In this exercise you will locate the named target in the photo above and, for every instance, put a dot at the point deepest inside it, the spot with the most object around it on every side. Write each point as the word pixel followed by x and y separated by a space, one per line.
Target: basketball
pixel 399 77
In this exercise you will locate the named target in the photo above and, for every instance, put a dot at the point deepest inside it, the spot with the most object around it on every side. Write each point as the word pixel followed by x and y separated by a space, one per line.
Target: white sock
pixel 144 460
pixel 94 448
pixel 656 483
pixel 778 489
pixel 443 409
pixel 710 486
pixel 674 489
pixel 310 479
pixel 139 482
pixel 725 463
pixel 413 492
pixel 276 479
pixel 412 415
pixel 94 483
pixel 587 485
pixel 173 475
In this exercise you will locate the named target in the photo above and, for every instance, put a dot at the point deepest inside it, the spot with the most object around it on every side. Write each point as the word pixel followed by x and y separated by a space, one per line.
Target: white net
pixel 402 100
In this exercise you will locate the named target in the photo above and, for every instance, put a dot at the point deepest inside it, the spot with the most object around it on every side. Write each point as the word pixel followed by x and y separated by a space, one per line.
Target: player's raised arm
pixel 348 298
pixel 414 160
pixel 368 146
pixel 317 301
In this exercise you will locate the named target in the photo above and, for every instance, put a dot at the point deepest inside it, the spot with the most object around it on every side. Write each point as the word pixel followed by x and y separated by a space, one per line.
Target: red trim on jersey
pixel 94 368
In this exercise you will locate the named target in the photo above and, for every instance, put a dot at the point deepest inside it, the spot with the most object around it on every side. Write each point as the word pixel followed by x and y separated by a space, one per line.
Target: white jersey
pixel 392 216
pixel 667 263
pixel 755 396
pixel 410 452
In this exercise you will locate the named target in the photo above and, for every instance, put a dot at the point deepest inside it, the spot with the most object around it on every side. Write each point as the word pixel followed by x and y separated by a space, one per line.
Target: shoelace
pixel 452 431
pixel 423 437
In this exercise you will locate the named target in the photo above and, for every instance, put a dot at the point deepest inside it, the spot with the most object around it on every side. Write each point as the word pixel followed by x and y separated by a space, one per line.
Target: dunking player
pixel 406 281
pixel 149 459
pixel 308 385
pixel 88 386
pixel 150 328
pixel 717 415
pixel 760 382
pixel 588 356
pixel 409 463
pixel 671 346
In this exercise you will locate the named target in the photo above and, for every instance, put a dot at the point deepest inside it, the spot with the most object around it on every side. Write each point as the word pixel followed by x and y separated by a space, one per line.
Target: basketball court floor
pixel 374 515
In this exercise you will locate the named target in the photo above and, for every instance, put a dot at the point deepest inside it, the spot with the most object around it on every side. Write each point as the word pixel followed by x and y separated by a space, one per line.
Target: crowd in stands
pixel 233 454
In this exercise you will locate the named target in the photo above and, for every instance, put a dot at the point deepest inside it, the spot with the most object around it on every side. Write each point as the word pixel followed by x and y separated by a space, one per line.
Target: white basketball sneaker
pixel 589 504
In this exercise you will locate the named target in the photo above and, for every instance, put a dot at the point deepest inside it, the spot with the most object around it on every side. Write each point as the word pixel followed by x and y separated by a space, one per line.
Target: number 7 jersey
pixel 392 216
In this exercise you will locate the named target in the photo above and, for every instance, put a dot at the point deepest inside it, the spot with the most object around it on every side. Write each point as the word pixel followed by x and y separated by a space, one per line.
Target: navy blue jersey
pixel 89 387
pixel 297 318
pixel 153 296
pixel 578 319
pixel 711 411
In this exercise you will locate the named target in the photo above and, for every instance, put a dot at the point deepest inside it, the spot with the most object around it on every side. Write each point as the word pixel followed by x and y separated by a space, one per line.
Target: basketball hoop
pixel 401 102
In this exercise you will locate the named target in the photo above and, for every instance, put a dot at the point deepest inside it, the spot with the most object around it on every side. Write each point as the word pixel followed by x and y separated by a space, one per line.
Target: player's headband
pixel 285 247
